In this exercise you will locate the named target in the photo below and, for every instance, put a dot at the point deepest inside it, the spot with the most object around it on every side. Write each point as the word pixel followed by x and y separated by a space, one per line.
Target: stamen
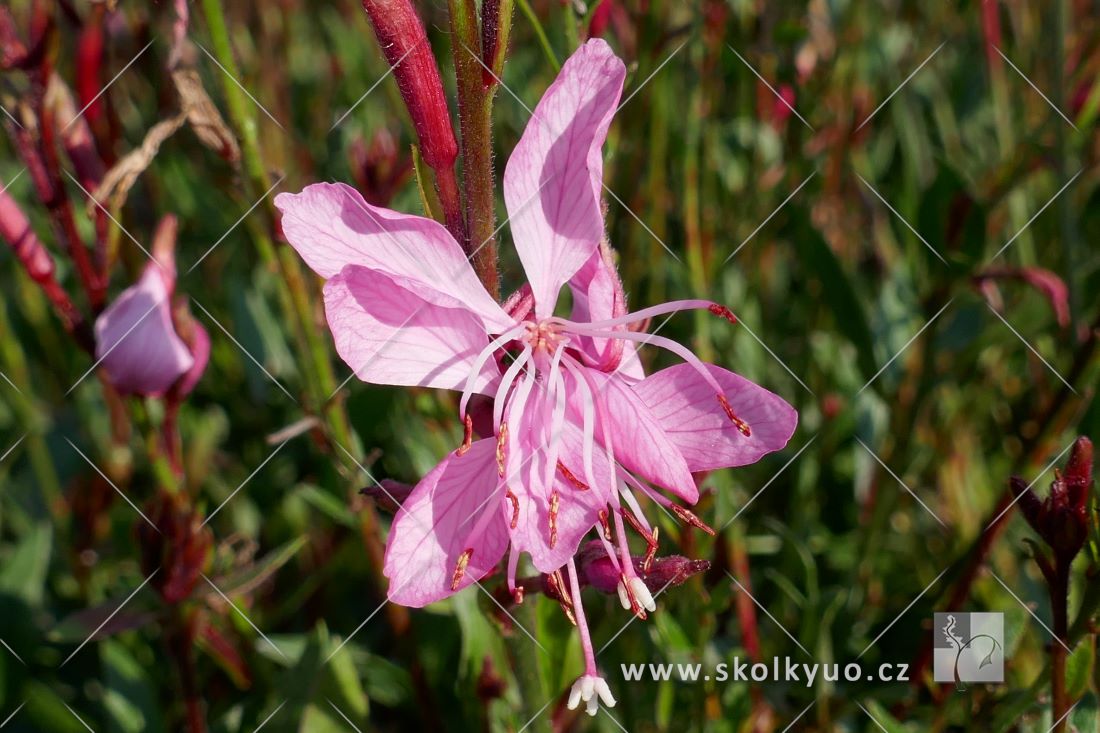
pixel 650 539
pixel 648 338
pixel 460 568
pixel 723 311
pixel 741 425
pixel 627 587
pixel 582 624
pixel 467 436
pixel 606 525
pixel 506 382
pixel 515 507
pixel 575 482
pixel 641 315
pixel 555 504
pixel 651 551
pixel 480 360
pixel 688 518
pixel 502 439
pixel 517 595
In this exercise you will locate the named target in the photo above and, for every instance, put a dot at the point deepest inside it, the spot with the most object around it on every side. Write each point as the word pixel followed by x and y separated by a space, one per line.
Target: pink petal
pixel 432 530
pixel 331 226
pixel 695 421
pixel 552 181
pixel 598 295
pixel 578 510
pixel 639 438
pixel 135 341
pixel 389 334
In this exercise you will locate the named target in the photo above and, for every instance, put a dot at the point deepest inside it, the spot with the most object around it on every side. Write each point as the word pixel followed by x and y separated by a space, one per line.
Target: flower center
pixel 544 337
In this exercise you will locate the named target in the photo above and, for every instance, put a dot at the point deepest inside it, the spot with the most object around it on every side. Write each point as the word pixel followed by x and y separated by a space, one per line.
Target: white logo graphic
pixel 968 647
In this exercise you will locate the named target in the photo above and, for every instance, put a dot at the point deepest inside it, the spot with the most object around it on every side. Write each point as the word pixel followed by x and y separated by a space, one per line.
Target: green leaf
pixel 248 579
pixel 838 292
pixel 130 697
pixel 1079 669
pixel 885 720
pixel 23 573
pixel 428 197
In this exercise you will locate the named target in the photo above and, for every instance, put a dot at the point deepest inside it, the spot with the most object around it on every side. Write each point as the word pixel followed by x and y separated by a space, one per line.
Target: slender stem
pixel 540 33
pixel 475 110
pixel 294 295
pixel 1059 601
pixel 525 666
pixel 181 647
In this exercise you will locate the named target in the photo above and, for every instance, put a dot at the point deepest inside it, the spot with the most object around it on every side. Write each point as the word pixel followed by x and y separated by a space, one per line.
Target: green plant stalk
pixel 540 34
pixel 572 33
pixel 475 111
pixel 16 362
pixel 525 666
pixel 1059 600
pixel 293 294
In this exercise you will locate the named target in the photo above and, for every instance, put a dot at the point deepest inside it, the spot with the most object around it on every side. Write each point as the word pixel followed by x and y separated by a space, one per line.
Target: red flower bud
pixel 1062 519
pixel 179 549
pixel 403 40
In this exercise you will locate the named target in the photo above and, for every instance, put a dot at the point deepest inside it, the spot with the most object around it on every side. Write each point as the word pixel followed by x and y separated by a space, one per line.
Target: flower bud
pixel 1062 520
pixel 179 549
pixel 136 341
pixel 496 24
pixel 403 40
pixel 596 569
pixel 379 169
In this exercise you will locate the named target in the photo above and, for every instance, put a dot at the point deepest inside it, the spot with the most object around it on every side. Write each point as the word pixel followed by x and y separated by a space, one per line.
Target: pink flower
pixel 579 430
pixel 137 342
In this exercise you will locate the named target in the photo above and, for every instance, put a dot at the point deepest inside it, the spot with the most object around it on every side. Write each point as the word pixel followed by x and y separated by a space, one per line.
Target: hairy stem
pixel 475 110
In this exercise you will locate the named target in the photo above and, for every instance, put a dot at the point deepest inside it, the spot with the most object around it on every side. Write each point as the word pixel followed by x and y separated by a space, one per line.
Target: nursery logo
pixel 968 647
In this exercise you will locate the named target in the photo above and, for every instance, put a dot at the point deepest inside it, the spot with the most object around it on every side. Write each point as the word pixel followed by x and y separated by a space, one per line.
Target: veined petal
pixel 553 179
pixel 389 334
pixel 548 529
pixel 598 295
pixel 136 342
pixel 432 531
pixel 641 443
pixel 331 226
pixel 689 411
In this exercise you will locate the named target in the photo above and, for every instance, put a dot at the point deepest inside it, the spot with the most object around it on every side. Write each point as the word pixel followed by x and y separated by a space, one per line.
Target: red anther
pixel 635 607
pixel 556 585
pixel 460 568
pixel 723 311
pixel 741 425
pixel 651 551
pixel 688 518
pixel 576 482
pixel 606 525
pixel 633 522
pixel 502 439
pixel 515 507
pixel 555 504
pixel 467 435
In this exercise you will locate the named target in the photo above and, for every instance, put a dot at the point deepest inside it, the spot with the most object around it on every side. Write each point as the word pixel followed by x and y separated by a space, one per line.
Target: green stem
pixel 525 665
pixel 572 33
pixel 15 361
pixel 294 296
pixel 540 33
pixel 475 110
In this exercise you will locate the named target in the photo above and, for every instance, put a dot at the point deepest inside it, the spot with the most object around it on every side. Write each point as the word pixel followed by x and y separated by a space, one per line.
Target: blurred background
pixel 899 200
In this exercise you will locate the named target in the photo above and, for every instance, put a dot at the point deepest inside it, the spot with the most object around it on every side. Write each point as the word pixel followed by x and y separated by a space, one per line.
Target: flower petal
pixel 433 528
pixel 639 438
pixel 388 334
pixel 695 421
pixel 331 226
pixel 551 545
pixel 553 179
pixel 598 295
pixel 135 341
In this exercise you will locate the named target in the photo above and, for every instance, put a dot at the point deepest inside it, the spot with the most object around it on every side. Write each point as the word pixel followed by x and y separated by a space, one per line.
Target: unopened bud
pixel 403 40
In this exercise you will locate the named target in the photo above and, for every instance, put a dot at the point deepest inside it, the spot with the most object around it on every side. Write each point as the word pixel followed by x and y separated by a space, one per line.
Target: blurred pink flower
pixel 579 429
pixel 137 342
